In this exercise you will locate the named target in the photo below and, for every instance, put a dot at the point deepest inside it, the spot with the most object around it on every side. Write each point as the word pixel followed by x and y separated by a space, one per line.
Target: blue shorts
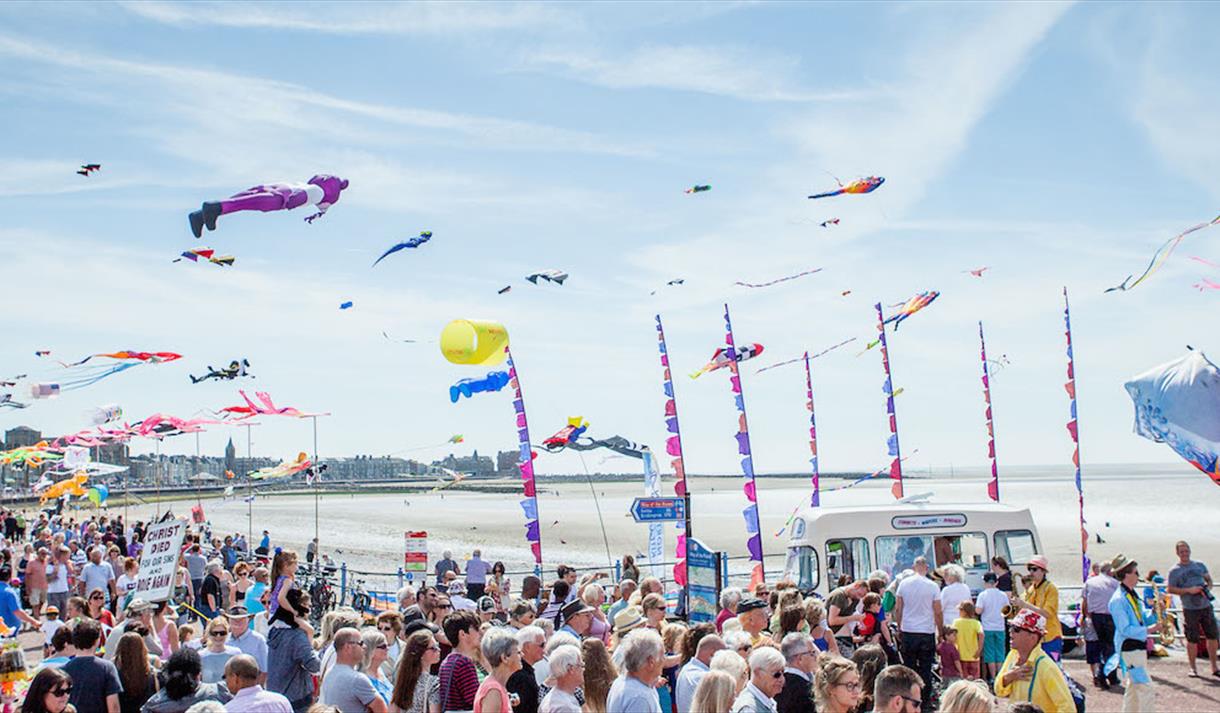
pixel 993 647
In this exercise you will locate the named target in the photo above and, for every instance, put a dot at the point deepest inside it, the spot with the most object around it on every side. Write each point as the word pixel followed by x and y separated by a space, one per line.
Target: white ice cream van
pixel 827 542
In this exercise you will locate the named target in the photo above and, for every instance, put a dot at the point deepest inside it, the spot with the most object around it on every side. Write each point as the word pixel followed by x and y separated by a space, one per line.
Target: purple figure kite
pixel 321 191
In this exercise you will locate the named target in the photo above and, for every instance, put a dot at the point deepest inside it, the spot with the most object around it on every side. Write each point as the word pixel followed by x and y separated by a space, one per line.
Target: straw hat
pixel 628 619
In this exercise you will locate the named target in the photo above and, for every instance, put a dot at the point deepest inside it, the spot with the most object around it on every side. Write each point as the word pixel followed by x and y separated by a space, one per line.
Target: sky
pixel 1059 145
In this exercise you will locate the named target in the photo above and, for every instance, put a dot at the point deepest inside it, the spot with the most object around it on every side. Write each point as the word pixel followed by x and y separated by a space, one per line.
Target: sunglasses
pixel 443 606
pixel 96 597
pixel 383 647
pixel 219 632
pixel 1033 568
pixel 385 628
pixel 64 691
pixel 777 674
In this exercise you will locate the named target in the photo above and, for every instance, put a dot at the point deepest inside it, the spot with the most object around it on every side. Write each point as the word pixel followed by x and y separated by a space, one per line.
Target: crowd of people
pixel 237 635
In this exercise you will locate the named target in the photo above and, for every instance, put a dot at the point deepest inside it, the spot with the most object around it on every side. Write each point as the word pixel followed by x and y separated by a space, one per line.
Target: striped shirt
pixel 459 682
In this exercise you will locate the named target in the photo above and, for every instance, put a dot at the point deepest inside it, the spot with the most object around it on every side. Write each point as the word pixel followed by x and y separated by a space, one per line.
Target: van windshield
pixel 802 567
pixel 968 549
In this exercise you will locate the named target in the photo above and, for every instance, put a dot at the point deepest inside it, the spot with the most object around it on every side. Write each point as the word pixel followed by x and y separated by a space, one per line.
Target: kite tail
pixel 828 195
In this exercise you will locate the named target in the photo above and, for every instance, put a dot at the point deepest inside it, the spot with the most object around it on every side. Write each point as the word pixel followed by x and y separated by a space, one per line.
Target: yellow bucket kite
pixel 474 341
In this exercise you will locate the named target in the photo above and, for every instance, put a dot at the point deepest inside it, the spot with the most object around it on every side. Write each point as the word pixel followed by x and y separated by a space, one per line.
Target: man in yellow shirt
pixel 1029 674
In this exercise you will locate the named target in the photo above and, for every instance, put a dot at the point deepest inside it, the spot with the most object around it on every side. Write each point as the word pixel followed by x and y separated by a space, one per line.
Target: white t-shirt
pixel 917 594
pixel 991 603
pixel 49 627
pixel 97 576
pixel 950 597
pixel 58 570
pixel 558 701
pixel 125 585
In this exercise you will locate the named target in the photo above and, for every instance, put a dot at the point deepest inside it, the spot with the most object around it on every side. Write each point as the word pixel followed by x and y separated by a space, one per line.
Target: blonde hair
pixel 715 692
pixel 831 670
pixel 967 697
pixel 733 665
pixel 672 634
pixel 815 611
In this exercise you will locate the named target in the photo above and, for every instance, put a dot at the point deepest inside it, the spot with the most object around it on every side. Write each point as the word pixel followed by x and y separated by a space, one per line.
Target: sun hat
pixel 456 587
pixel 1119 563
pixel 137 605
pixel 1040 562
pixel 1028 620
pixel 575 608
pixel 628 619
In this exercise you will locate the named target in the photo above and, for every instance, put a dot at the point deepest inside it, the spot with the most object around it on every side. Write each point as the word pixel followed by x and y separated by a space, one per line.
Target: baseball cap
pixel 750 605
pixel 486 604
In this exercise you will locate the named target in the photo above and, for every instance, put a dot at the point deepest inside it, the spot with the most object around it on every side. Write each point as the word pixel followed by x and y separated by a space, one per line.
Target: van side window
pixel 802 566
pixel 897 553
pixel 846 558
pixel 1016 546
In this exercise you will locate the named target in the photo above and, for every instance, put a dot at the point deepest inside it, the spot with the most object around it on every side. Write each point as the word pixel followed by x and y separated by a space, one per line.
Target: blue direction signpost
pixel 658 510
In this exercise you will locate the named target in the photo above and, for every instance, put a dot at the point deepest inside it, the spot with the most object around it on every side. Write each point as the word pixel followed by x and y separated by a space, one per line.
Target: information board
pixel 416 558
pixel 703 571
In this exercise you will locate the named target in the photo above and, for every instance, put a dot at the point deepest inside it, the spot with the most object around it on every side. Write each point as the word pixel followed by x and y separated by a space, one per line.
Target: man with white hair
pixel 406 597
pixel 626 588
pixel 523 683
pixel 730 597
pixel 706 643
pixel 766 681
pixel 801 658
pixel 752 615
pixel 567 674
pixel 542 669
pixel 643 655
pixel 476 575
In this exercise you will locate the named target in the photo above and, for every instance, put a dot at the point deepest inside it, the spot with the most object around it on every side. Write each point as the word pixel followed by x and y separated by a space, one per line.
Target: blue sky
pixel 1057 144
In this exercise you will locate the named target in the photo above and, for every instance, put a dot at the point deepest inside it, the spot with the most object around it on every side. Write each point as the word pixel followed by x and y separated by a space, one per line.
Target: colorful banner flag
pixel 656 536
pixel 754 538
pixel 1073 430
pixel 673 447
pixel 525 463
pixel 816 499
pixel 993 485
pixel 887 388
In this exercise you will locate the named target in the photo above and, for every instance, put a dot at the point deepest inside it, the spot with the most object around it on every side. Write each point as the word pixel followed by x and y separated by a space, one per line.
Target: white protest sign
pixel 159 560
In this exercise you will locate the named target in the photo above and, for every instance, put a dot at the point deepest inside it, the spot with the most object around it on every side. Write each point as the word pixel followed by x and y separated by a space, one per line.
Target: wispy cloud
pixel 356 18
pixel 1177 104
pixel 229 97
pixel 736 72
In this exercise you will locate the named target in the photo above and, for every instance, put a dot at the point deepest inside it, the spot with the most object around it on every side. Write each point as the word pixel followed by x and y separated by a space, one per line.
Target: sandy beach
pixel 366 530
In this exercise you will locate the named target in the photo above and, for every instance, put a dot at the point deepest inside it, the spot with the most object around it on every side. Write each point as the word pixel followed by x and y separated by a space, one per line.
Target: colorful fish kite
pixel 494 381
pixel 129 356
pixel 576 428
pixel 721 359
pixel 978 272
pixel 697 189
pixel 1178 404
pixel 910 307
pixel 828 223
pixel 283 470
pixel 264 407
pixel 346 305
pixel 34 455
pixel 208 254
pixel 235 370
pixel 457 438
pixel 321 191
pixel 415 242
pixel 71 486
pixel 782 279
pixel 1161 255
pixel 551 275
pixel 863 185
pixel 801 358
pixel 89 168
pixel 619 445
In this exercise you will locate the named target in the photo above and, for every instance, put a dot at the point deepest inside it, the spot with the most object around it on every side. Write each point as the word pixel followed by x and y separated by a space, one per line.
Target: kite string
pixel 782 279
pixel 597 504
